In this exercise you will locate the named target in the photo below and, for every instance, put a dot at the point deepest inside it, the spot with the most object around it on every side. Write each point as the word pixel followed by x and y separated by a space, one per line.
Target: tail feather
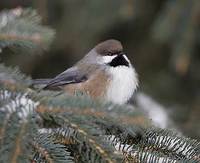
pixel 40 81
pixel 43 84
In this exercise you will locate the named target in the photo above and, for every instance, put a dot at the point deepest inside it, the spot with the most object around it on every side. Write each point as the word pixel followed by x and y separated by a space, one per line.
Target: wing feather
pixel 71 75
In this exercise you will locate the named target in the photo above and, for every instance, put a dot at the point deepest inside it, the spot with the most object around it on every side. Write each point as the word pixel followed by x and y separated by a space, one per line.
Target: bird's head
pixel 111 53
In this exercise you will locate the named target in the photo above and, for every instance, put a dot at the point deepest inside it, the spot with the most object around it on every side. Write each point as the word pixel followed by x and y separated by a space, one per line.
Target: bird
pixel 105 72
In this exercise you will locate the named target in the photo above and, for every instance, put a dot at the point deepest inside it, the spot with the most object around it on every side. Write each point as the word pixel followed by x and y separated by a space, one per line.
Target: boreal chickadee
pixel 105 72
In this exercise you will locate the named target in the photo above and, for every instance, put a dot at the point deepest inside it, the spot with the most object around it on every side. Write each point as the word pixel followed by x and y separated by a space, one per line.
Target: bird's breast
pixel 122 84
pixel 116 84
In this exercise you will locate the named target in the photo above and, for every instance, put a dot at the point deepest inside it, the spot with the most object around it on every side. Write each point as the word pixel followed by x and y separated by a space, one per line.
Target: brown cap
pixel 109 46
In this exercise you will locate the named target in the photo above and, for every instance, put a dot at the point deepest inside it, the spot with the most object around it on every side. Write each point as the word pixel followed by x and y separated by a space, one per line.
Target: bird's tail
pixel 40 81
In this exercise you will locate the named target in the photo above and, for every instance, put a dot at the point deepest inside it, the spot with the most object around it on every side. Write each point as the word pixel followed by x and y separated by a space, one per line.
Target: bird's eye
pixel 109 54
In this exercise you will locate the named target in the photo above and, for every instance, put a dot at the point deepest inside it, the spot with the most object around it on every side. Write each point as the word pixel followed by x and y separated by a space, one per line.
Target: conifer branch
pixel 87 131
pixel 131 141
pixel 17 126
pixel 82 137
pixel 13 76
pixel 21 29
pixel 48 151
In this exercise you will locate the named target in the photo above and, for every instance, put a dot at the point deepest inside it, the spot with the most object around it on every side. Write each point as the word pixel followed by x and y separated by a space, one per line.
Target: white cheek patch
pixel 107 59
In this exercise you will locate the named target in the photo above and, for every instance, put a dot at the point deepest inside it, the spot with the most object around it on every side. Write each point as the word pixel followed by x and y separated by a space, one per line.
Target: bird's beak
pixel 120 60
pixel 125 56
pixel 122 53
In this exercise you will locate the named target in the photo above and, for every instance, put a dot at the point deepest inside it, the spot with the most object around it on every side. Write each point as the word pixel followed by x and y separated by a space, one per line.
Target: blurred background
pixel 161 37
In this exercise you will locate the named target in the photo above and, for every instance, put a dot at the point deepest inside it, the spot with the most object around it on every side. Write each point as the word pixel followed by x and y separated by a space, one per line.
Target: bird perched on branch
pixel 105 72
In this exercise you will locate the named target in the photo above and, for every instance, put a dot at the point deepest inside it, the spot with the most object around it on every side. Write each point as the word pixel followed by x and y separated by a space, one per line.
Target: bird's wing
pixel 71 75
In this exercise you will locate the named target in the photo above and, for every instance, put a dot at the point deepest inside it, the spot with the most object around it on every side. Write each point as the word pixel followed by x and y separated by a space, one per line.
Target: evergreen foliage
pixel 45 126
pixel 20 29
pixel 17 126
pixel 13 76
pixel 46 150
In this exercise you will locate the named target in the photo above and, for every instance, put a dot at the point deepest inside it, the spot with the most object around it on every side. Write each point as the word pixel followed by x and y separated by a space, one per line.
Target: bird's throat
pixel 120 60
